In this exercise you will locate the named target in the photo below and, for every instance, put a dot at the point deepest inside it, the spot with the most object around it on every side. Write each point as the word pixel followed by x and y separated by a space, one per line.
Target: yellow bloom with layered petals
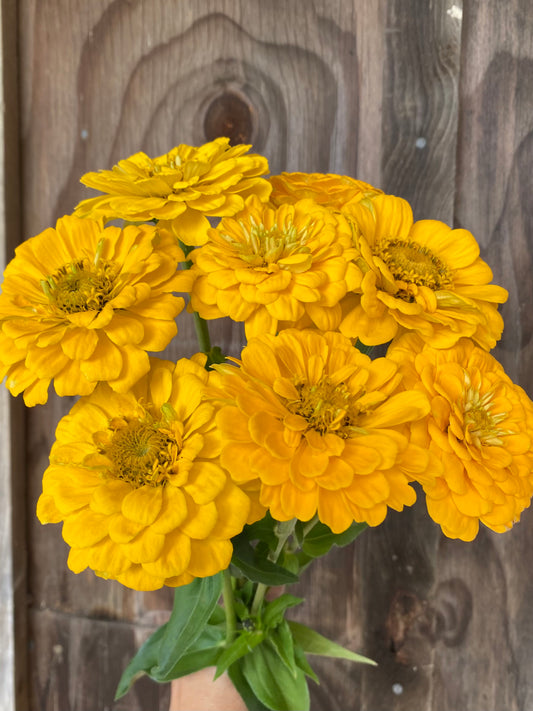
pixel 480 428
pixel 81 303
pixel 321 426
pixel 327 189
pixel 422 277
pixel 181 187
pixel 272 268
pixel 135 479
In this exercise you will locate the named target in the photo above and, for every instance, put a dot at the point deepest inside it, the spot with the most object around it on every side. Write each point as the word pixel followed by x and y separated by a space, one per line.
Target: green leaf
pixel 205 652
pixel 215 355
pixel 218 616
pixel 142 663
pixel 272 683
pixel 262 530
pixel 193 606
pixel 274 611
pixel 321 538
pixel 363 348
pixel 314 643
pixel 282 642
pixel 256 567
pixel 244 689
pixel 244 644
pixel 290 562
pixel 302 662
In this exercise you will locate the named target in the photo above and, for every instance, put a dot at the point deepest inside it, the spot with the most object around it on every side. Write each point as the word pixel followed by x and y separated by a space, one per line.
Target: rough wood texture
pixel 403 93
pixel 13 583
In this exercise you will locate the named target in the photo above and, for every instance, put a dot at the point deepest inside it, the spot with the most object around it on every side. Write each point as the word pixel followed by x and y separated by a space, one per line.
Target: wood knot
pixel 229 115
pixel 450 612
pixel 415 624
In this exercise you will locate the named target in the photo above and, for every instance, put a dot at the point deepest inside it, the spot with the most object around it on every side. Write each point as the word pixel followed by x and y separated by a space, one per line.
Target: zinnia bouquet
pixel 224 477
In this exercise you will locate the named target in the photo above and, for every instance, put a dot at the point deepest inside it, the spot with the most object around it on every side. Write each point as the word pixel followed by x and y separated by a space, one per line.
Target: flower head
pixel 136 481
pixel 422 277
pixel 81 303
pixel 273 267
pixel 180 187
pixel 321 426
pixel 479 427
pixel 335 192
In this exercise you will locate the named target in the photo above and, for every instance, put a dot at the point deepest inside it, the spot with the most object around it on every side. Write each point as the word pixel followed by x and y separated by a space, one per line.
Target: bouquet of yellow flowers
pixel 223 477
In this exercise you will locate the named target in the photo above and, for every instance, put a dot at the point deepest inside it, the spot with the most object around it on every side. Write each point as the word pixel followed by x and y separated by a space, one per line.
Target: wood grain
pixel 13 583
pixel 402 93
pixel 494 187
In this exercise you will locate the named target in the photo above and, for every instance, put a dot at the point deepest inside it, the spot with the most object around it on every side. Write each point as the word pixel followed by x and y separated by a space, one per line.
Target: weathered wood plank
pixel 69 643
pixel 13 671
pixel 113 78
pixel 395 566
pixel 318 86
pixel 420 108
pixel 494 190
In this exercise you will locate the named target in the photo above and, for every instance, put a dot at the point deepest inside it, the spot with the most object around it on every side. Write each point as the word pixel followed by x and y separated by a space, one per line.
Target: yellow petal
pixel 173 558
pixel 145 547
pixel 209 557
pixel 206 481
pixel 85 528
pixel 143 505
pixel 173 510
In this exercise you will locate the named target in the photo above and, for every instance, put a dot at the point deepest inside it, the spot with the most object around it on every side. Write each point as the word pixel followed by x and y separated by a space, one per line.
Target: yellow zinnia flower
pixel 136 481
pixel 272 268
pixel 332 191
pixel 480 428
pixel 180 187
pixel 422 277
pixel 321 426
pixel 81 303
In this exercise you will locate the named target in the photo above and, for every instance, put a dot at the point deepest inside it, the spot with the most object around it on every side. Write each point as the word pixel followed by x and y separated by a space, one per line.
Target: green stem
pixel 310 525
pixel 285 529
pixel 200 324
pixel 229 607
pixel 202 333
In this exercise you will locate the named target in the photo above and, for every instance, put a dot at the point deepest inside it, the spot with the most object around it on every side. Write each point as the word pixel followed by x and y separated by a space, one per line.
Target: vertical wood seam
pixel 13 669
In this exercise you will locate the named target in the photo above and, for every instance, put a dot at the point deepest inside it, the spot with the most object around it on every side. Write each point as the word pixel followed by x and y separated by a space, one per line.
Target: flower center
pixel 81 286
pixel 266 245
pixel 142 452
pixel 481 425
pixel 327 407
pixel 413 263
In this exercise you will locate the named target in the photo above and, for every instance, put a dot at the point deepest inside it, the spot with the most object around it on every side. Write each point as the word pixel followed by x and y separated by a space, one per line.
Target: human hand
pixel 198 692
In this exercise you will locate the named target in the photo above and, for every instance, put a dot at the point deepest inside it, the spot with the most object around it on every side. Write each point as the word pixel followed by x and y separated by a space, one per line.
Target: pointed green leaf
pixel 272 683
pixel 142 663
pixel 314 643
pixel 274 610
pixel 193 606
pixel 258 568
pixel 244 689
pixel 204 652
pixel 321 539
pixel 244 644
pixel 282 642
pixel 302 662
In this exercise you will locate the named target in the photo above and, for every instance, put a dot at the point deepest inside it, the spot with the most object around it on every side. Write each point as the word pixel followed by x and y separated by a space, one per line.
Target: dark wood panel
pixel 494 188
pixel 102 80
pixel 13 548
pixel 347 87
pixel 396 565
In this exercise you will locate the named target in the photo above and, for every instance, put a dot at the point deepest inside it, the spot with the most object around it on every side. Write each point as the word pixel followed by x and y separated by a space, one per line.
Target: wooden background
pixel 429 99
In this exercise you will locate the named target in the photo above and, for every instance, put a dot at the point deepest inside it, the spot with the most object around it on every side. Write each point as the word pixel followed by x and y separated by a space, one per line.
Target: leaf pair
pixel 189 641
